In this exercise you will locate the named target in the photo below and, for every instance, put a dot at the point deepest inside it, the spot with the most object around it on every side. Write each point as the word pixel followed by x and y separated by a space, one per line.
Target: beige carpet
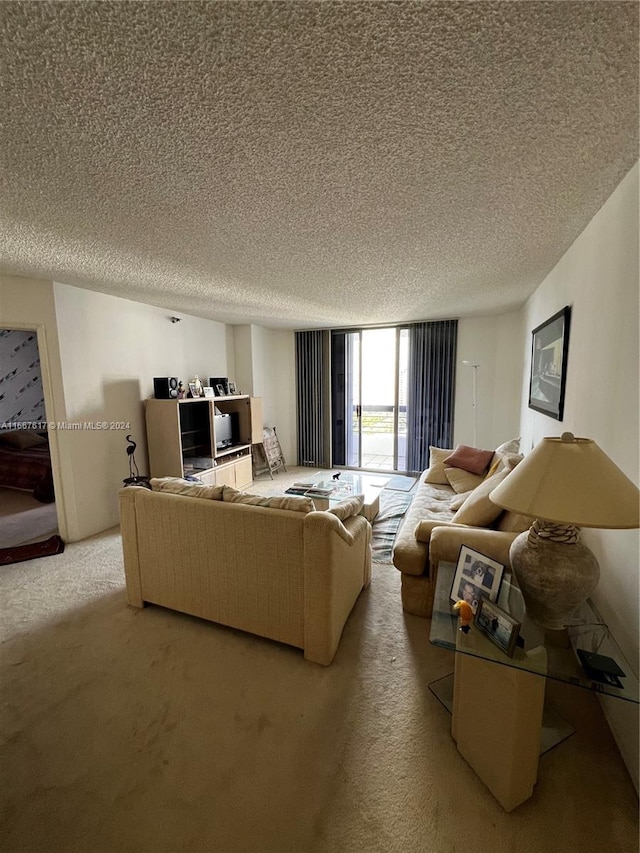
pixel 145 730
pixel 23 519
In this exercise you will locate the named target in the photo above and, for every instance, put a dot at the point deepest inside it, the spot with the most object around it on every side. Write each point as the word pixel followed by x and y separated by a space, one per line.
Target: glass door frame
pixel 351 404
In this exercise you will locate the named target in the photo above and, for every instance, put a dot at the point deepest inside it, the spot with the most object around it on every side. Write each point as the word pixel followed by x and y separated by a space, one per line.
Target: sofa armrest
pixel 424 529
pixel 129 538
pixel 337 565
pixel 446 541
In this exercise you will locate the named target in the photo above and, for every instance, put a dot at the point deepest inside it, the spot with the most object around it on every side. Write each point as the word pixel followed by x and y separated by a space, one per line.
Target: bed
pixel 25 463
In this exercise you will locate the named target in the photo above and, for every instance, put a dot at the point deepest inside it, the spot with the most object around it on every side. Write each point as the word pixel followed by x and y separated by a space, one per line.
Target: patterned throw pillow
pixel 297 503
pixel 178 486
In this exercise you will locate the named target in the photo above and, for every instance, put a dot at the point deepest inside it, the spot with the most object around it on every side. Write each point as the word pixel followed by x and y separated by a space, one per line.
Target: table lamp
pixel 564 483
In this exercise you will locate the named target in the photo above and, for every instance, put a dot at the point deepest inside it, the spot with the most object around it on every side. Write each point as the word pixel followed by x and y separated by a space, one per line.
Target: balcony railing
pixel 378 437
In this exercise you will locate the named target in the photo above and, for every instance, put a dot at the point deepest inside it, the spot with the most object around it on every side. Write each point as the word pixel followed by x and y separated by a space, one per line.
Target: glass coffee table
pixel 499 719
pixel 325 491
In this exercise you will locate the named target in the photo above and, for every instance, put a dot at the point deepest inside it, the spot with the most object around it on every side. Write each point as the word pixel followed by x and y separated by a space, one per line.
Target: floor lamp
pixel 475 410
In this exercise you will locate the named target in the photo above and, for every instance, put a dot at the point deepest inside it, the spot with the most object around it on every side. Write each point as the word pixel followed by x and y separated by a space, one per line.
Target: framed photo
pixel 217 382
pixel 549 349
pixel 231 387
pixel 208 391
pixel 497 625
pixel 193 389
pixel 476 577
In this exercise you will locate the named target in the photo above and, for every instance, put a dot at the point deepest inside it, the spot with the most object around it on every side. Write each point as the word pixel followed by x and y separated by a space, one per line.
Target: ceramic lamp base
pixel 555 571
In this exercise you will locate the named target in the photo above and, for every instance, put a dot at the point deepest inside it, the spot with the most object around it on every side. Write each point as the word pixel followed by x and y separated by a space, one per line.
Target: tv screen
pixel 223 426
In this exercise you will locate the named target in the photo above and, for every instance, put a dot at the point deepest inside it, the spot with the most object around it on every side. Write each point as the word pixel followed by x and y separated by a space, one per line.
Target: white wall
pixel 495 344
pixel 598 277
pixel 273 379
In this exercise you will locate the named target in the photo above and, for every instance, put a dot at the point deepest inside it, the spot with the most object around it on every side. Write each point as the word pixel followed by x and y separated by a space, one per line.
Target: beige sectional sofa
pixel 442 518
pixel 271 566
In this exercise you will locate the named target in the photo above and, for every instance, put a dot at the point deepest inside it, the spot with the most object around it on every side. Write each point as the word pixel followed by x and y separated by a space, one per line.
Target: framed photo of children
pixel 501 628
pixel 476 577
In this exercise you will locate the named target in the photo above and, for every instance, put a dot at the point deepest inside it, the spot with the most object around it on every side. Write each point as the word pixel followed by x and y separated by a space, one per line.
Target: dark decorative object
pixel 134 478
pixel 549 349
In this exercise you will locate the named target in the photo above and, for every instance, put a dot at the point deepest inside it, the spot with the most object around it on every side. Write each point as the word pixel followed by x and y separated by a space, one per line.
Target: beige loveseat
pixel 291 574
pixel 440 520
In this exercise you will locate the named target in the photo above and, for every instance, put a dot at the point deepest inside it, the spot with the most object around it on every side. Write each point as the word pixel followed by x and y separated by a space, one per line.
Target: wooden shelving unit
pixel 182 441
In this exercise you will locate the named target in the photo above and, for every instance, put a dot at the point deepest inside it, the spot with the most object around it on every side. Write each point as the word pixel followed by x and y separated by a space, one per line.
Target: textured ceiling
pixel 304 164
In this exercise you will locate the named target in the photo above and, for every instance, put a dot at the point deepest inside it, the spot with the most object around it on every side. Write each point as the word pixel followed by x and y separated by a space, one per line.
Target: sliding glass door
pixel 369 393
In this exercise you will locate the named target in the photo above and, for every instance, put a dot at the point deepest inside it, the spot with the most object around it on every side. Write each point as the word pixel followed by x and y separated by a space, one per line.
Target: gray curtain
pixel 312 386
pixel 431 389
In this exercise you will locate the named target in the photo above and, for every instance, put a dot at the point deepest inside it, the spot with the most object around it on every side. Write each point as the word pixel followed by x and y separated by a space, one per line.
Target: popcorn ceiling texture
pixel 301 164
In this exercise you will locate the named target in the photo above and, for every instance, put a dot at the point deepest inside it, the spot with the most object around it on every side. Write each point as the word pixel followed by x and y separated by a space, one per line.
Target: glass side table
pixel 499 719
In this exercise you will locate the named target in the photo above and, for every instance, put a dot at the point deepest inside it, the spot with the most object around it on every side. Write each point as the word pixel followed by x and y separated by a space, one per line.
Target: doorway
pixel 28 511
pixel 369 398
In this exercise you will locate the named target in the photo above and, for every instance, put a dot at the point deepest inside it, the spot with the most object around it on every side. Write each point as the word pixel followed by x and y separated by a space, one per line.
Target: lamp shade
pixel 570 481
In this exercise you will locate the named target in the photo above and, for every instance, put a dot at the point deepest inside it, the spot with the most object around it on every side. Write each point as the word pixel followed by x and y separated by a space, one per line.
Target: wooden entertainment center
pixel 182 440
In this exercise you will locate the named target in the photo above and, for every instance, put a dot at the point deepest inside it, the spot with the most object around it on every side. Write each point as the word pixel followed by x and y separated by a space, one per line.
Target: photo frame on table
pixel 549 351
pixel 476 577
pixel 498 625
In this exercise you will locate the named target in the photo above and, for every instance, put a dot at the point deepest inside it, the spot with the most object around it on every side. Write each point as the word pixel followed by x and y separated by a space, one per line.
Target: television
pixel 224 428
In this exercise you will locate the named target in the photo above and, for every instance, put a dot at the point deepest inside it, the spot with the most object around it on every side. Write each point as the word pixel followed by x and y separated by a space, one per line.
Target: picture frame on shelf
pixel 222 381
pixel 208 391
pixel 549 351
pixel 193 389
pixel 231 387
pixel 476 577
pixel 501 628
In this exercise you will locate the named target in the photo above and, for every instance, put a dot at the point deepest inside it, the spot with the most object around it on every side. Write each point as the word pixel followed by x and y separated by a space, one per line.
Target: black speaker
pixel 165 387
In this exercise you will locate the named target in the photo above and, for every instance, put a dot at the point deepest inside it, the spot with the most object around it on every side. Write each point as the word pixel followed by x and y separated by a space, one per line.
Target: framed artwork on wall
pixel 549 349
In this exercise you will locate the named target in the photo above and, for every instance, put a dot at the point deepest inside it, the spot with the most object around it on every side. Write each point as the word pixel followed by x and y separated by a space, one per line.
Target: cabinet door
pixel 226 476
pixel 244 473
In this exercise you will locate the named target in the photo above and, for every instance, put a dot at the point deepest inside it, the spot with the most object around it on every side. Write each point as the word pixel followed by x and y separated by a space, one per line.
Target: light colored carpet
pixel 146 730
pixel 23 519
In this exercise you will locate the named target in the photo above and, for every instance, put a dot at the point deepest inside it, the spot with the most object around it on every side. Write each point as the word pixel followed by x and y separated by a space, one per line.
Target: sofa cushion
pixel 461 480
pixel 297 503
pixel 347 507
pixel 435 473
pixel 502 460
pixel 457 502
pixel 178 486
pixel 513 522
pixel 479 510
pixel 470 459
pixel 512 446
